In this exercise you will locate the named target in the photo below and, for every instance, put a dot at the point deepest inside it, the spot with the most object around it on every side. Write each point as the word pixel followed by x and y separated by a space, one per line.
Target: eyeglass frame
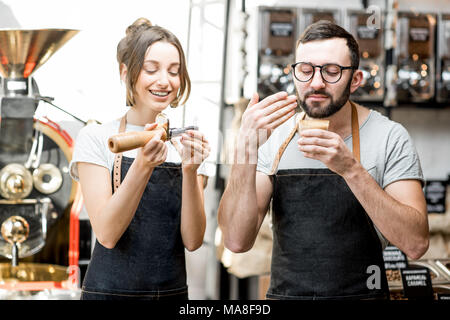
pixel 314 66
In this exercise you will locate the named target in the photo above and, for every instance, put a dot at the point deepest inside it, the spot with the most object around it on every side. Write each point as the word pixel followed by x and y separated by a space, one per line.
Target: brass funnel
pixel 23 51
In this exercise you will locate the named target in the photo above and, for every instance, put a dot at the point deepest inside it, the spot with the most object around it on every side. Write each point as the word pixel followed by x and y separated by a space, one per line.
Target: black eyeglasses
pixel 330 72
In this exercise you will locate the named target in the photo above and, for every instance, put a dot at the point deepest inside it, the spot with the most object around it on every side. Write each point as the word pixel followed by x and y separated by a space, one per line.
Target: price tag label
pixel 443 296
pixel 435 192
pixel 417 283
pixel 394 258
pixel 367 33
pixel 281 29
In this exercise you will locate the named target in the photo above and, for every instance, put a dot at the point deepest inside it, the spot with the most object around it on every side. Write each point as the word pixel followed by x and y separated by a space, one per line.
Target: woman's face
pixel 159 79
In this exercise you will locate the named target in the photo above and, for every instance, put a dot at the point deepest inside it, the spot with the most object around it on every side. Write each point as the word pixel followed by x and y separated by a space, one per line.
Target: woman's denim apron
pixel 324 241
pixel 148 262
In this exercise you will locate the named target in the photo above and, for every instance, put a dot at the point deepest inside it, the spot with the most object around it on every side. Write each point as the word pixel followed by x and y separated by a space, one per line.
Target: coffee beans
pixel 394 275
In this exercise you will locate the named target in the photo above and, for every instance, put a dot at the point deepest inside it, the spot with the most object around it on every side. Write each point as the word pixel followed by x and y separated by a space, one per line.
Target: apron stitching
pixel 157 294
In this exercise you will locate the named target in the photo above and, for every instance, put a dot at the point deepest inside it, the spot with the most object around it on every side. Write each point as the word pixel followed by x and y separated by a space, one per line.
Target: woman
pixel 153 209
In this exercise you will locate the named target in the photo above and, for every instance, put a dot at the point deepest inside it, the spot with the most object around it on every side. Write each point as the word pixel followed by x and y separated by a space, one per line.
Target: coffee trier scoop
pixel 135 139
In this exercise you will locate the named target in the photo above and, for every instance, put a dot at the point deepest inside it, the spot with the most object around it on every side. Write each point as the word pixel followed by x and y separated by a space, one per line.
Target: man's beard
pixel 328 110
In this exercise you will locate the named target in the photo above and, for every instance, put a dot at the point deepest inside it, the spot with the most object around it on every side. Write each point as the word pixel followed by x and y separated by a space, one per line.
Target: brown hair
pixel 324 29
pixel 131 52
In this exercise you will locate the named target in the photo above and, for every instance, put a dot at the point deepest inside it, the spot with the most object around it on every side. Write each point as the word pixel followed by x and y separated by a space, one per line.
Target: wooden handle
pixel 131 140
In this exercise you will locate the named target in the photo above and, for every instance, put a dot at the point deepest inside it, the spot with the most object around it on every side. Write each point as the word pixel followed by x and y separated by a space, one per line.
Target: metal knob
pixel 47 178
pixel 16 181
pixel 15 230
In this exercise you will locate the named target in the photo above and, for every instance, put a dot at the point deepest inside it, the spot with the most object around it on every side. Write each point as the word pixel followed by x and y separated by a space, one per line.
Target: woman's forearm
pixel 193 219
pixel 112 216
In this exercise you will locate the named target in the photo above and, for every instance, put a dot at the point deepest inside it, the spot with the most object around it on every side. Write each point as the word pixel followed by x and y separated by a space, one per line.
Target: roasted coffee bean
pixel 395 275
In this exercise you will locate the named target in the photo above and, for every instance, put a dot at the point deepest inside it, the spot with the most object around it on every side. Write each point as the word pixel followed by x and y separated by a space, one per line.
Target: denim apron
pixel 148 262
pixel 324 241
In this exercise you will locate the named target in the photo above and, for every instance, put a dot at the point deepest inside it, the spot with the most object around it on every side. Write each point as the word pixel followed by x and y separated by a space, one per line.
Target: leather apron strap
pixel 301 116
pixel 355 133
pixel 118 157
pixel 280 152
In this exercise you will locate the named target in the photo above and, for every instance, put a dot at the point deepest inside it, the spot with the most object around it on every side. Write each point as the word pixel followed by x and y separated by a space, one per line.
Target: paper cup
pixel 312 124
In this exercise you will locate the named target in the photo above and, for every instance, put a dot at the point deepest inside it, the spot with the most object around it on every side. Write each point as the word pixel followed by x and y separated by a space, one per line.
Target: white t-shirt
pixel 91 145
pixel 387 152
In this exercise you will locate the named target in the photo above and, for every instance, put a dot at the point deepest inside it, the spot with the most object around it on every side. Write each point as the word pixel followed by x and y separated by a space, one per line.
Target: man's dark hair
pixel 322 30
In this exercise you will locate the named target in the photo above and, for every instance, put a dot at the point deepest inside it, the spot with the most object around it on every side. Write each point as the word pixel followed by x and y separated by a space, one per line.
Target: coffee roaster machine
pixel 280 27
pixel 275 50
pixel 416 57
pixel 443 59
pixel 369 35
pixel 420 54
pixel 39 202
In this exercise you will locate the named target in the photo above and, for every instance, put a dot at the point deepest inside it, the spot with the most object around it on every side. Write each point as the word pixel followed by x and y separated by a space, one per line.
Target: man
pixel 338 196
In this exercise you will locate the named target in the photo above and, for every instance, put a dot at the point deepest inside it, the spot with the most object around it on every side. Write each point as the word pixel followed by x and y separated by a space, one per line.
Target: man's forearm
pixel 404 226
pixel 238 209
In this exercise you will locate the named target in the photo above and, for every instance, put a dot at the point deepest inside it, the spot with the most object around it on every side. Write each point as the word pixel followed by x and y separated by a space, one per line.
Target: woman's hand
pixel 193 150
pixel 155 151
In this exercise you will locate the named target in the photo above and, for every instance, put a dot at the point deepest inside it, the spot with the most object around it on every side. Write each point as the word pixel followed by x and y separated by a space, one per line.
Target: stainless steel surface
pixel 48 294
pixel 32 272
pixel 444 265
pixel 16 181
pixel 34 276
pixel 23 51
pixel 437 275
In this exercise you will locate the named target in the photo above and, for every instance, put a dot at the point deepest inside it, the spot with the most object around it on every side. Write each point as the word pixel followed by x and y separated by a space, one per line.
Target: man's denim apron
pixel 324 240
pixel 148 261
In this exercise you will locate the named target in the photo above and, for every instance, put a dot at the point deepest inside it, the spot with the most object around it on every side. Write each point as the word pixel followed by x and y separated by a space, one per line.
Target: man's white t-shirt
pixel 387 152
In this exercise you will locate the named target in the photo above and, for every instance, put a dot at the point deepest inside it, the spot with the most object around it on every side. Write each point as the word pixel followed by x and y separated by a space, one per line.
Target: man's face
pixel 320 99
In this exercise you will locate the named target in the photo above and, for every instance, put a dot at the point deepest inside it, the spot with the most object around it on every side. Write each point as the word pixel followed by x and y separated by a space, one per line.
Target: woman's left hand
pixel 195 148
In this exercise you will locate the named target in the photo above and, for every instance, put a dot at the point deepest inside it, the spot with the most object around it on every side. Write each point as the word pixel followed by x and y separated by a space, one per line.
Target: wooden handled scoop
pixel 135 139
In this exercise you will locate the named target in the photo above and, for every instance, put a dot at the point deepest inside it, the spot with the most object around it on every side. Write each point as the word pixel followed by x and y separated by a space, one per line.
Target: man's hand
pixel 327 147
pixel 261 118
pixel 267 114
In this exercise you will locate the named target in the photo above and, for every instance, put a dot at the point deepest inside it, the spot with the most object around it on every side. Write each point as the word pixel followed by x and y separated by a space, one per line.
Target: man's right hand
pixel 262 117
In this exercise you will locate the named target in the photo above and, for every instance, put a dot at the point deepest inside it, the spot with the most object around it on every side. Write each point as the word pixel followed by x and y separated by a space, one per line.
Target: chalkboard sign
pixel 443 296
pixel 435 192
pixel 417 283
pixel 394 258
